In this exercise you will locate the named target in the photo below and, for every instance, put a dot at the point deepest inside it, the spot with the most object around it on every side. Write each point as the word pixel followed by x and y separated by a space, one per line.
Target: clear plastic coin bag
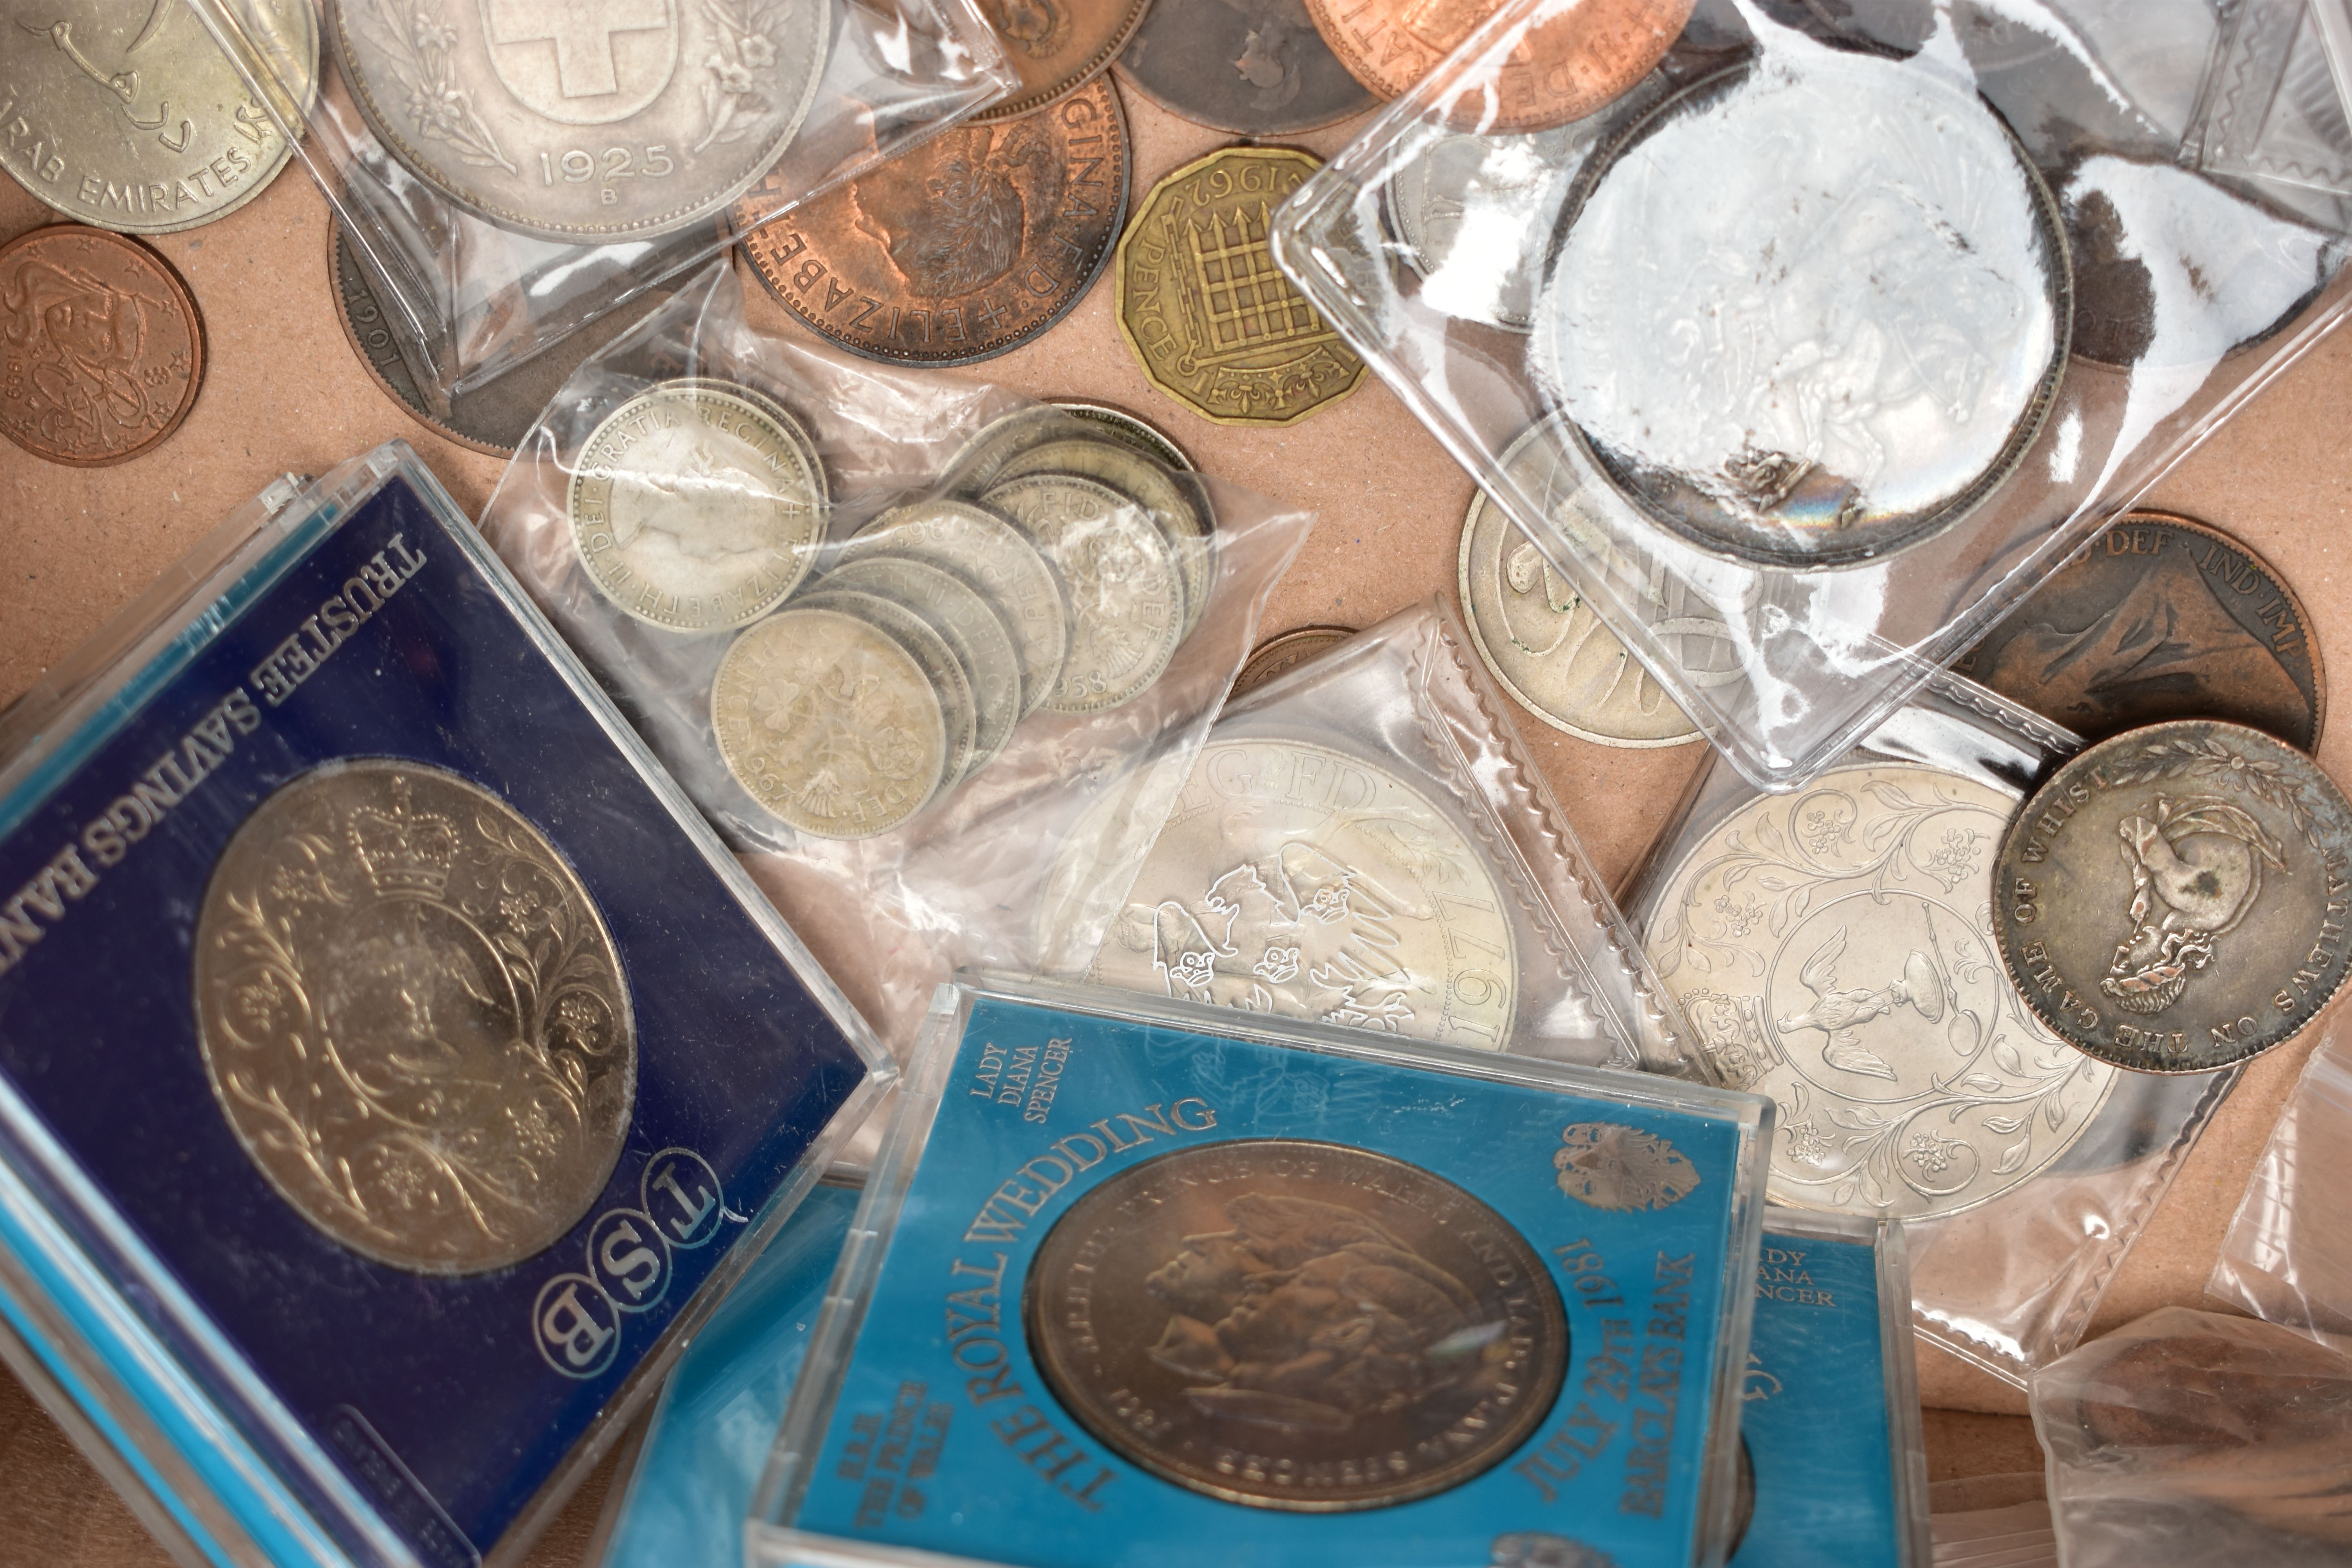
pixel 1832 947
pixel 1804 340
pixel 917 646
pixel 2287 1258
pixel 508 171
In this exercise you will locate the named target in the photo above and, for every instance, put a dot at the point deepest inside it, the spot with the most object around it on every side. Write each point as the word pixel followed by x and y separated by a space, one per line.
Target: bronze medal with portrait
pixel 961 249
pixel 1296 1325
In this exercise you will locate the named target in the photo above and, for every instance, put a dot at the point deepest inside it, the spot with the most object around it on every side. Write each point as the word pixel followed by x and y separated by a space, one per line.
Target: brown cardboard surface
pixel 285 393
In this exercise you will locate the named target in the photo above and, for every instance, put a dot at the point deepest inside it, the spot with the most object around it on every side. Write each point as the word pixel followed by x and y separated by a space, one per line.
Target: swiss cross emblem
pixel 582 62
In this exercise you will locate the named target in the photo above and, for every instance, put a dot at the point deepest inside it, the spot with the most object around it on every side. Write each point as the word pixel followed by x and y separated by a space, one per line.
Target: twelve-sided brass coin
pixel 2179 898
pixel 413 1017
pixel 1296 1325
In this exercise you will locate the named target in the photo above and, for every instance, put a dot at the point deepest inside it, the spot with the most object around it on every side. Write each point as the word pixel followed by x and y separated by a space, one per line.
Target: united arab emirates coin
pixel 1832 949
pixel 1057 47
pixel 974 631
pixel 961 248
pixel 949 676
pixel 828 723
pixel 993 557
pixel 1212 320
pixel 1283 652
pixel 105 349
pixel 413 1017
pixel 1474 215
pixel 2173 898
pixel 1841 397
pixel 1139 433
pixel 581 122
pixel 1252 67
pixel 2160 617
pixel 694 509
pixel 1118 576
pixel 1173 509
pixel 1173 1285
pixel 1298 879
pixel 1567 66
pixel 128 117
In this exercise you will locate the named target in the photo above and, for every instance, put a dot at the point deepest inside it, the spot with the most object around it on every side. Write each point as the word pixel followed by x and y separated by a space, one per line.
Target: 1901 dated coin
pixel 1252 67
pixel 1057 47
pixel 1296 1325
pixel 1294 879
pixel 1206 310
pixel 949 676
pixel 1118 576
pixel 581 121
pixel 1178 513
pixel 1566 68
pixel 1832 948
pixel 2174 898
pixel 961 248
pixel 413 1017
pixel 128 117
pixel 1283 652
pixel 695 508
pixel 973 632
pixel 2158 618
pixel 826 722
pixel 993 557
pixel 105 348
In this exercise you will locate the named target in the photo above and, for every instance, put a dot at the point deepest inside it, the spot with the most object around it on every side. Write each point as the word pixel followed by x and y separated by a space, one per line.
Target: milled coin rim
pixel 1096 68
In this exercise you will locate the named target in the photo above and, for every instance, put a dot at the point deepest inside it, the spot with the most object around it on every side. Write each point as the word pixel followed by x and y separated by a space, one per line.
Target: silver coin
pixel 978 636
pixel 942 665
pixel 1179 512
pixel 583 119
pixel 1474 213
pixel 693 509
pixel 996 559
pixel 1832 948
pixel 828 723
pixel 1296 879
pixel 413 1017
pixel 1842 359
pixel 979 462
pixel 790 423
pixel 1118 424
pixel 1127 601
pixel 128 117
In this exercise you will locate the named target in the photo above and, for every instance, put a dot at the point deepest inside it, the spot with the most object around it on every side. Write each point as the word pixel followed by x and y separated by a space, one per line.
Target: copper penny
pixel 963 248
pixel 1562 69
pixel 102 349
pixel 1283 652
pixel 1057 46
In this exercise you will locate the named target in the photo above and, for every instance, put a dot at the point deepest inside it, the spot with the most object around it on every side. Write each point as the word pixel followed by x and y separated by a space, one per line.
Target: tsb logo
pixel 577 1318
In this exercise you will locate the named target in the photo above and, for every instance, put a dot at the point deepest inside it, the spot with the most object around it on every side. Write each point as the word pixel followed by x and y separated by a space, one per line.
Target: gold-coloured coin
pixel 1212 320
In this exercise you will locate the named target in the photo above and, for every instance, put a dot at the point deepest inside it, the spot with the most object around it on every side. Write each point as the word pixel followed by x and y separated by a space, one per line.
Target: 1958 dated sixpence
pixel 413 1017
pixel 1296 1325
pixel 2179 898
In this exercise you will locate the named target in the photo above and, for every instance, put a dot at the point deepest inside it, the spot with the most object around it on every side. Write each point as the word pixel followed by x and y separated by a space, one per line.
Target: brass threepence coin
pixel 1566 68
pixel 961 249
pixel 1119 576
pixel 413 1017
pixel 1057 46
pixel 2160 617
pixel 125 114
pixel 951 678
pixel 974 631
pixel 2173 899
pixel 1212 320
pixel 826 721
pixel 1296 1325
pixel 581 120
pixel 1875 336
pixel 1295 879
pixel 1283 652
pixel 695 508
pixel 102 349
pixel 1180 513
pixel 1252 67
pixel 1832 949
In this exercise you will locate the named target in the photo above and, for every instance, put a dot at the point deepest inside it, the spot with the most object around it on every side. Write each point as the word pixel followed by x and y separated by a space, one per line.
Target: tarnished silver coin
pixel 993 557
pixel 1846 359
pixel 413 1017
pixel 124 114
pixel 1834 948
pixel 694 507
pixel 980 462
pixel 1180 513
pixel 583 119
pixel 974 633
pixel 1474 213
pixel 828 722
pixel 1121 579
pixel 941 664
pixel 2174 898
pixel 790 423
pixel 1296 879
pixel 1141 435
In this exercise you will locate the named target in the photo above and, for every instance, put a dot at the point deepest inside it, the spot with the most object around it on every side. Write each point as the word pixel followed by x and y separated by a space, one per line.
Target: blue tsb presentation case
pixel 265 1385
